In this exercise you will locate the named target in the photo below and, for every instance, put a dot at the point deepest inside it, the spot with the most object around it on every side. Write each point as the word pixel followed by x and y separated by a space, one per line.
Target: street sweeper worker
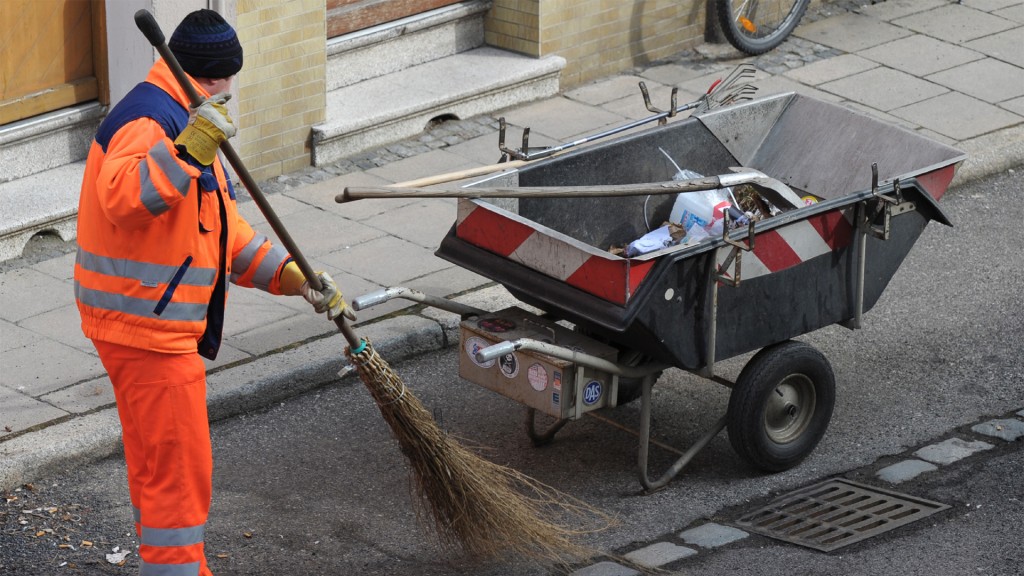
pixel 159 238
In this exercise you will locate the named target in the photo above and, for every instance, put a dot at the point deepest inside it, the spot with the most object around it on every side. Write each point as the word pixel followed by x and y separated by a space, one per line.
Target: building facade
pixel 67 61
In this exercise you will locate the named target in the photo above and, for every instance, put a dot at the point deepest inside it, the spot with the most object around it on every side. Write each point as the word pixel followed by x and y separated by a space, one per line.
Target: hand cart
pixel 611 324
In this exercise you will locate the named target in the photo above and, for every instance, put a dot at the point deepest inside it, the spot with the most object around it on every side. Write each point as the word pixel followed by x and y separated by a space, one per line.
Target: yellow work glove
pixel 208 126
pixel 329 300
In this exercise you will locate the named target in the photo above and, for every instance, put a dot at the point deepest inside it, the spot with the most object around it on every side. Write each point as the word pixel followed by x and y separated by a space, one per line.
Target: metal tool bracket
pixel 869 223
pixel 522 153
pixel 883 206
pixel 866 215
pixel 670 113
pixel 735 257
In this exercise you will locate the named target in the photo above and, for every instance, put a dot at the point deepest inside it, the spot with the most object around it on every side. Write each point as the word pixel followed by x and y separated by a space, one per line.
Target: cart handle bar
pixel 507 347
pixel 385 294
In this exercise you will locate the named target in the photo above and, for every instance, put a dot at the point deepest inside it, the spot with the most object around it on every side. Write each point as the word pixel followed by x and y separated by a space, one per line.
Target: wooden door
pixel 344 16
pixel 52 55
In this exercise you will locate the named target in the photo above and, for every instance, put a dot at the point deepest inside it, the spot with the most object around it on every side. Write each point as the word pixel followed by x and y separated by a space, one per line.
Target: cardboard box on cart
pixel 556 387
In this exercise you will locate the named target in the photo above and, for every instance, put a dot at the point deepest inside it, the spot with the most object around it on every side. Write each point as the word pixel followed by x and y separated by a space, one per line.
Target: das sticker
pixel 496 324
pixel 509 365
pixel 592 393
pixel 538 377
pixel 474 345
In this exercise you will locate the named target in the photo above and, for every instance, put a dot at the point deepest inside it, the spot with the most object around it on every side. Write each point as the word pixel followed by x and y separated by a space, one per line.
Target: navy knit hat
pixel 206 46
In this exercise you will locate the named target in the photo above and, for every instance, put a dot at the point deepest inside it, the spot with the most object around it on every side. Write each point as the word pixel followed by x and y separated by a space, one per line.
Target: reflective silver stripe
pixel 172 536
pixel 185 312
pixel 136 514
pixel 265 273
pixel 240 264
pixel 150 197
pixel 170 167
pixel 148 569
pixel 145 272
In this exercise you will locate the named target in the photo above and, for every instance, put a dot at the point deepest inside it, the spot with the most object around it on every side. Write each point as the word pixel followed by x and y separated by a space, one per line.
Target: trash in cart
pixel 669 234
pixel 705 209
pixel 854 195
pixel 694 216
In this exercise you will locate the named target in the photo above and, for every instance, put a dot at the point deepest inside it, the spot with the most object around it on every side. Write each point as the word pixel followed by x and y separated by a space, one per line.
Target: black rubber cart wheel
pixel 781 405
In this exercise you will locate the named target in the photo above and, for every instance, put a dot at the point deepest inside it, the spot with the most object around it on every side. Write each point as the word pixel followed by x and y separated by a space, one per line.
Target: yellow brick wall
pixel 514 25
pixel 596 37
pixel 282 89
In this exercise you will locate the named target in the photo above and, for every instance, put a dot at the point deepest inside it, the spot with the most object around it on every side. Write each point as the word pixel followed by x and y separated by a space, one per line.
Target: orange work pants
pixel 161 401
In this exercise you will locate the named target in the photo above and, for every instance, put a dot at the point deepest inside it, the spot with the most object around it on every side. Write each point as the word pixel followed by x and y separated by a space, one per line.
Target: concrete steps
pixel 389 108
pixel 387 83
pixel 46 201
pixel 47 141
pixel 41 165
pixel 405 43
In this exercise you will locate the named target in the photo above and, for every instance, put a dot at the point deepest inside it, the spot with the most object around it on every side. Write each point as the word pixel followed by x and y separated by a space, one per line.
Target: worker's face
pixel 216 85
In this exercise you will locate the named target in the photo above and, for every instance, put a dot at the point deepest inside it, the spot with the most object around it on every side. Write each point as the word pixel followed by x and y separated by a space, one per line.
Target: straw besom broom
pixel 486 509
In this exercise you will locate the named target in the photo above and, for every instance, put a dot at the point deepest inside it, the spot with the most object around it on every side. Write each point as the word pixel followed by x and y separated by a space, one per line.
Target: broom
pixel 485 509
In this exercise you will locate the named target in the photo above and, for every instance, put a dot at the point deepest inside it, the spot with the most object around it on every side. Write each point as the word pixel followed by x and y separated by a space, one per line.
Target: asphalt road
pixel 315 485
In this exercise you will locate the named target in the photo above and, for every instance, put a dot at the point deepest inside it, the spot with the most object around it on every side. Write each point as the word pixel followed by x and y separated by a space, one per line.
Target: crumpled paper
pixel 117 556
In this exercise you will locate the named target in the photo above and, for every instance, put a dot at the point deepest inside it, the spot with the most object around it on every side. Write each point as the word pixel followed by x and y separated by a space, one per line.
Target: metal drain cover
pixel 836 513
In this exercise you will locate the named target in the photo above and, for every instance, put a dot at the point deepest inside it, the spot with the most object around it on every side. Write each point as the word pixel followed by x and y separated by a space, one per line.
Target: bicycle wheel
pixel 757 26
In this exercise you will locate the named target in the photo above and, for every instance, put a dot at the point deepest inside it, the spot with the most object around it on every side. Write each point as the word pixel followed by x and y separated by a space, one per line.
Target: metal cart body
pixel 690 306
pixel 801 275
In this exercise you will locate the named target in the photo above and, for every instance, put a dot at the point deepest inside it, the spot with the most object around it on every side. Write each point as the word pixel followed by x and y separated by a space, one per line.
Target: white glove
pixel 329 299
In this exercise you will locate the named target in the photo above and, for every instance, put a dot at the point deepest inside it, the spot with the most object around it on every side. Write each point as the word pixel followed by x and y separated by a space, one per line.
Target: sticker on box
pixel 474 345
pixel 538 376
pixel 592 393
pixel 509 365
pixel 496 325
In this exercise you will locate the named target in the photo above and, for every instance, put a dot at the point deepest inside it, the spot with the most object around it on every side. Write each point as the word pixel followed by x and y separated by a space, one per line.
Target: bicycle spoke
pixel 756 26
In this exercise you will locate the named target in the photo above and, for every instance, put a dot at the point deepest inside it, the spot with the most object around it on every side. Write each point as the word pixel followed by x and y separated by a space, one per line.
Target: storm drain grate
pixel 836 513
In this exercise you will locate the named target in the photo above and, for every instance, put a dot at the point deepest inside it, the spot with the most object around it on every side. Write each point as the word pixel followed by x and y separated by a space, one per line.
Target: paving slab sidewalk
pixel 952 72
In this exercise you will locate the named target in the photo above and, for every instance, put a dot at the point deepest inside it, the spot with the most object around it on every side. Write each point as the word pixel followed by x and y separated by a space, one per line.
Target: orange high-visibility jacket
pixel 155 250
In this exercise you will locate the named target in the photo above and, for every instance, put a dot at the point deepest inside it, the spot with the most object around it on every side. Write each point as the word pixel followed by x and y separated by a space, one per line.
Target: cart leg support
pixel 645 441
pixel 540 439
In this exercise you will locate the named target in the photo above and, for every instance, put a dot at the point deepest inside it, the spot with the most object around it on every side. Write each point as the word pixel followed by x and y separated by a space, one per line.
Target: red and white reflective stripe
pixel 937 182
pixel 792 244
pixel 599 273
pixel 616 279
pixel 555 259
